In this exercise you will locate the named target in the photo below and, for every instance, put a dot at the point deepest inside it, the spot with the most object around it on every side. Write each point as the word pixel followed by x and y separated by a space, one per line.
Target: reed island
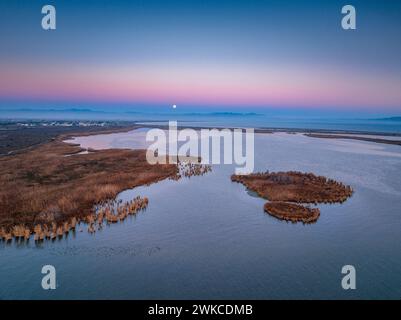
pixel 291 194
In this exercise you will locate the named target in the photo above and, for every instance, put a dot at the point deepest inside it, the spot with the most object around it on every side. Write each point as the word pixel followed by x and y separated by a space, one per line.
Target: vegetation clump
pixel 288 192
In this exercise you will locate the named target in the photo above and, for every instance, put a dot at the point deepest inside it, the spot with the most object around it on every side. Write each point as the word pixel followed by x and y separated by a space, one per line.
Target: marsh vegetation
pixel 290 194
pixel 49 189
pixel 42 188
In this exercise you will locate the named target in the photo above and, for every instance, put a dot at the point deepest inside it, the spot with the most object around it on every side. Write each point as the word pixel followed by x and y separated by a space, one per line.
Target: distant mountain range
pixel 389 119
pixel 221 114
pixel 136 112
pixel 170 111
pixel 53 110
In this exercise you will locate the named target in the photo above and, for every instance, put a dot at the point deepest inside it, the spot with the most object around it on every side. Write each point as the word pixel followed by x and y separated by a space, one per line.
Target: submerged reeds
pixel 188 169
pixel 106 211
pixel 111 211
pixel 114 211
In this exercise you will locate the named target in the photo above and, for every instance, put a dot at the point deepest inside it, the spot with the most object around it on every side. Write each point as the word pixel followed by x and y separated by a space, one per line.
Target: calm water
pixel 206 237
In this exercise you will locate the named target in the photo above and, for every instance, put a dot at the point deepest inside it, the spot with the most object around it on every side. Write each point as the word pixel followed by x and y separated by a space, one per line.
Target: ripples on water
pixel 206 237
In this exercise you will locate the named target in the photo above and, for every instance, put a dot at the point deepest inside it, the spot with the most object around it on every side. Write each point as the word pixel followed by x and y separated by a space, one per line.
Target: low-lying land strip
pixel 18 137
pixel 354 137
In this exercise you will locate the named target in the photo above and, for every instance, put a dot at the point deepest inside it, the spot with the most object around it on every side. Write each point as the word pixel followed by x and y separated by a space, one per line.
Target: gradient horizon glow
pixel 228 54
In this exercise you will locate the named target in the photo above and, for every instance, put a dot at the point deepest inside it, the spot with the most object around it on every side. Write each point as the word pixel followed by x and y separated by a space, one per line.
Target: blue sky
pixel 251 54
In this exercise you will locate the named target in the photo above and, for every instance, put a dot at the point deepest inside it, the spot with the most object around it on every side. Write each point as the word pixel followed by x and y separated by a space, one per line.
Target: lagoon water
pixel 208 238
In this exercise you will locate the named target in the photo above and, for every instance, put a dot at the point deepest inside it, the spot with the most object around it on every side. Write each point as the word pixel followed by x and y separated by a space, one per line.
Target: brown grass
pixel 283 189
pixel 292 212
pixel 295 186
pixel 43 186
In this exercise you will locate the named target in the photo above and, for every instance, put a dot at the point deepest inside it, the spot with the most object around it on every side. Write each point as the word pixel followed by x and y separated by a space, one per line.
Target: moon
pixel 174 106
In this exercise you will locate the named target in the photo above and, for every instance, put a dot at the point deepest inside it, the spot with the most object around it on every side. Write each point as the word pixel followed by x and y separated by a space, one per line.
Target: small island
pixel 290 194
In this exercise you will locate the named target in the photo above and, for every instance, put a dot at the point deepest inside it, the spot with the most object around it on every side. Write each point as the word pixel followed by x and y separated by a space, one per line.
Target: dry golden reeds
pixel 43 187
pixel 288 192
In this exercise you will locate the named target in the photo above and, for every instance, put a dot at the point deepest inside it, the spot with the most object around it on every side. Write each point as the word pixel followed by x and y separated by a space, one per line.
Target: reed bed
pixel 114 211
pixel 109 212
pixel 189 169
pixel 288 192
pixel 45 194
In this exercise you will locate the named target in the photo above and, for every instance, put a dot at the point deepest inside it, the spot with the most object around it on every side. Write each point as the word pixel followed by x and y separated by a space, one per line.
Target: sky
pixel 208 55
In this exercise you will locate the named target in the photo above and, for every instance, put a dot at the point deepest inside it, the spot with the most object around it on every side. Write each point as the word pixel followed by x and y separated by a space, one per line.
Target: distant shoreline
pixel 312 133
pixel 376 140
pixel 16 138
pixel 273 129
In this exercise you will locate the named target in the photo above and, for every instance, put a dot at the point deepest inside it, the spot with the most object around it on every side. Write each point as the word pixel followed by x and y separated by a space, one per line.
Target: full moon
pixel 174 106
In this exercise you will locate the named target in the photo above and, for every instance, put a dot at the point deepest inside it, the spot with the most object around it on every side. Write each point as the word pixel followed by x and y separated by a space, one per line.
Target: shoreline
pixel 312 133
pixel 359 138
pixel 16 139
pixel 259 129
pixel 46 193
pixel 50 188
pixel 163 125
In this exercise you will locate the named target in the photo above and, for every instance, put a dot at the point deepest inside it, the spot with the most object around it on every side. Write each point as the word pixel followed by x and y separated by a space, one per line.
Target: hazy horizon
pixel 226 56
